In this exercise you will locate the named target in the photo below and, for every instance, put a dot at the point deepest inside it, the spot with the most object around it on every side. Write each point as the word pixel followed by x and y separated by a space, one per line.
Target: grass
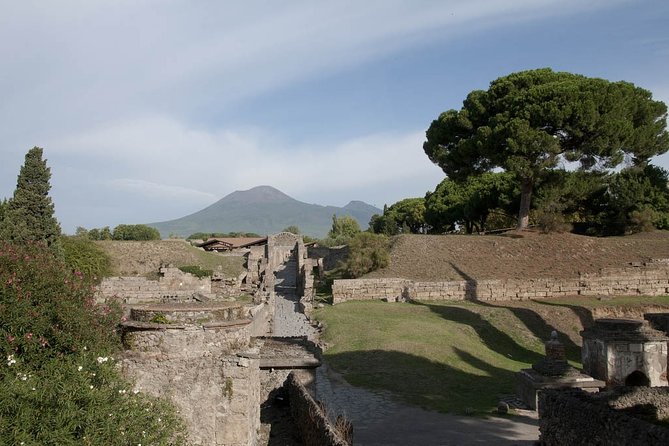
pixel 452 356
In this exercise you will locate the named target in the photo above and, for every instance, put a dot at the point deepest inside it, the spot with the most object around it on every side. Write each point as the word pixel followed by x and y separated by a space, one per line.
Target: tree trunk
pixel 525 197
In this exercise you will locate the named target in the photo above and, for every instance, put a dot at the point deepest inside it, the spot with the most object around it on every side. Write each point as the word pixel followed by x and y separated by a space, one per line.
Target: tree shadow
pixel 583 314
pixel 378 420
pixel 492 337
pixel 534 322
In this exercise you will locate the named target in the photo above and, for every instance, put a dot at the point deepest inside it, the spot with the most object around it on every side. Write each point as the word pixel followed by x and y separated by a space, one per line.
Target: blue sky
pixel 152 109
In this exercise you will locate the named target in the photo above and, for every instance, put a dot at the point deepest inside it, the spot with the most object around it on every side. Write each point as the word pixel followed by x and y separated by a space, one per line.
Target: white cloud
pixel 157 191
pixel 158 158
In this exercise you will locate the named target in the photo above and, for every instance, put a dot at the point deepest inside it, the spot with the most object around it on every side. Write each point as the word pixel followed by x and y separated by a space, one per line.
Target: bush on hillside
pixel 82 254
pixel 135 232
pixel 58 381
pixel 367 252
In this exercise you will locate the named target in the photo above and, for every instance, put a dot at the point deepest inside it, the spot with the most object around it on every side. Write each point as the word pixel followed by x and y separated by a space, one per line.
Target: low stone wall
pixel 576 418
pixel 649 279
pixel 174 285
pixel 313 424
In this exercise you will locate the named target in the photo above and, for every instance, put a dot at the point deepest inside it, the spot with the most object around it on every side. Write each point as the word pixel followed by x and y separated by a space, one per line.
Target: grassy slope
pixel 458 355
pixel 142 258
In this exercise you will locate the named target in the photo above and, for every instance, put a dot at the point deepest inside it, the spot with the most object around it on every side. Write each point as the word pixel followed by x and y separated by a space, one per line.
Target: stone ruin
pixel 552 372
pixel 217 360
pixel 625 352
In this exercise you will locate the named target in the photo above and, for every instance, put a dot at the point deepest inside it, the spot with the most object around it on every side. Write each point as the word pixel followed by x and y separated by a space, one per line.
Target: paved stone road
pixel 288 320
pixel 379 420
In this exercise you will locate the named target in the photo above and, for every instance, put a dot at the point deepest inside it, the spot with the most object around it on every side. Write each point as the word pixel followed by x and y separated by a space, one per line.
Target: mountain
pixel 264 210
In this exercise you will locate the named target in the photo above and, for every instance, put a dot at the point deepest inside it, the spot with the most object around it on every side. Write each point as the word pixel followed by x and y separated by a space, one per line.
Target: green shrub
pixel 82 254
pixel 367 252
pixel 135 232
pixel 197 271
pixel 58 381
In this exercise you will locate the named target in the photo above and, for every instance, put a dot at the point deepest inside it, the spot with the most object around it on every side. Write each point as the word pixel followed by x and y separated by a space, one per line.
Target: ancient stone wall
pixel 210 373
pixel 315 427
pixel 618 417
pixel 279 247
pixel 173 285
pixel 650 279
pixel 331 256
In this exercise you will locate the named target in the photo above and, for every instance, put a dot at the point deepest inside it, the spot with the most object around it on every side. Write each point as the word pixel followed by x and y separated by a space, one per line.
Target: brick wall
pixel 650 279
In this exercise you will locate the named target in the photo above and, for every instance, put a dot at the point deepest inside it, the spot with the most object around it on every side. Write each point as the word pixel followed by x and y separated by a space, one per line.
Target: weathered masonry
pixel 649 279
pixel 217 360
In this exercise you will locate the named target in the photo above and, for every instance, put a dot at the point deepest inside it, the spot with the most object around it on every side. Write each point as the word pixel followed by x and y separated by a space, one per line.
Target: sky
pixel 149 110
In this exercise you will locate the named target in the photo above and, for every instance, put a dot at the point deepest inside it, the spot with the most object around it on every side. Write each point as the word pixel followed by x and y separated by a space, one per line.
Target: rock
pixel 502 408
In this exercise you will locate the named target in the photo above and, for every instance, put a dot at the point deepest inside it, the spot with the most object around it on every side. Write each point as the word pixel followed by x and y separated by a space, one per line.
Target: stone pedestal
pixel 551 373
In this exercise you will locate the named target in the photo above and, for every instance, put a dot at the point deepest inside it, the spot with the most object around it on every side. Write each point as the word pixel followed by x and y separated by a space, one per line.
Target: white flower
pixel 33 388
pixel 135 392
pixel 90 387
pixel 10 360
pixel 101 359
pixel 80 368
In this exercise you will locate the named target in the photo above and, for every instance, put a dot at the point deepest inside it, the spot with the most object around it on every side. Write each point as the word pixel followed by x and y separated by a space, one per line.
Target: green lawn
pixel 451 357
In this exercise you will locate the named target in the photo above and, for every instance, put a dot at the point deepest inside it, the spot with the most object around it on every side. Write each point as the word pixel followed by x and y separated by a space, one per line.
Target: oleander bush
pixel 59 384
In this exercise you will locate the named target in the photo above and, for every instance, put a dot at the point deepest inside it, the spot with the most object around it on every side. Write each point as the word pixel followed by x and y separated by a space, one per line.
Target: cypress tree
pixel 29 214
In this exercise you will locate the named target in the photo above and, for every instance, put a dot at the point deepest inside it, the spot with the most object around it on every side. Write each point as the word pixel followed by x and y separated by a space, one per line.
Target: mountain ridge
pixel 264 210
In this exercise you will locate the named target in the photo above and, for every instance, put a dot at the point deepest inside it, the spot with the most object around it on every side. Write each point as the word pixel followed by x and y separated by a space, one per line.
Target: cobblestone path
pixel 288 319
pixel 379 420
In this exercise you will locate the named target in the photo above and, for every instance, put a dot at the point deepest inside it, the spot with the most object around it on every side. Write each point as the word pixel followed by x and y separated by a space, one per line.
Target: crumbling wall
pixel 211 374
pixel 313 424
pixel 649 279
pixel 617 417
pixel 173 285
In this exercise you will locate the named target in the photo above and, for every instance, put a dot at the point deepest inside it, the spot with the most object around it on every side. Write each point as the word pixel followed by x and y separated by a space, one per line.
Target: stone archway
pixel 637 378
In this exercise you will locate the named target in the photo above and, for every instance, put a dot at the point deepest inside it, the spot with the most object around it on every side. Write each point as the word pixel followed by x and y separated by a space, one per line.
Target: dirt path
pixel 379 420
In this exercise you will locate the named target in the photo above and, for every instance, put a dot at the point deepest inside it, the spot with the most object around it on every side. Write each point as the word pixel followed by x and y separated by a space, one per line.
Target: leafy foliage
pixel 468 204
pixel 82 254
pixel 636 199
pixel 58 383
pixel 526 122
pixel 29 215
pixel 367 252
pixel 99 233
pixel 135 232
pixel 292 229
pixel 342 231
pixel 405 216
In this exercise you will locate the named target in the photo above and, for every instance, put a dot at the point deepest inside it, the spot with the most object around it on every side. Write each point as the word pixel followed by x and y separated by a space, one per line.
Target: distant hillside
pixel 264 210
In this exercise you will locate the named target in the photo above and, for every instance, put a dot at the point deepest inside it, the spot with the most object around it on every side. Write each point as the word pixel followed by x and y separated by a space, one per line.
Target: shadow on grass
pixel 492 337
pixel 430 385
pixel 534 322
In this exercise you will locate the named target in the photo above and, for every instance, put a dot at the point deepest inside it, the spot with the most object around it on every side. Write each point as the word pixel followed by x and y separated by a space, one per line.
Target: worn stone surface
pixel 617 417
pixel 173 286
pixel 625 351
pixel 210 373
pixel 649 279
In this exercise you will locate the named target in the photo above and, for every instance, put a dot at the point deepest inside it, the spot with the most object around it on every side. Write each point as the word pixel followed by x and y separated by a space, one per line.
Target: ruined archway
pixel 637 378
